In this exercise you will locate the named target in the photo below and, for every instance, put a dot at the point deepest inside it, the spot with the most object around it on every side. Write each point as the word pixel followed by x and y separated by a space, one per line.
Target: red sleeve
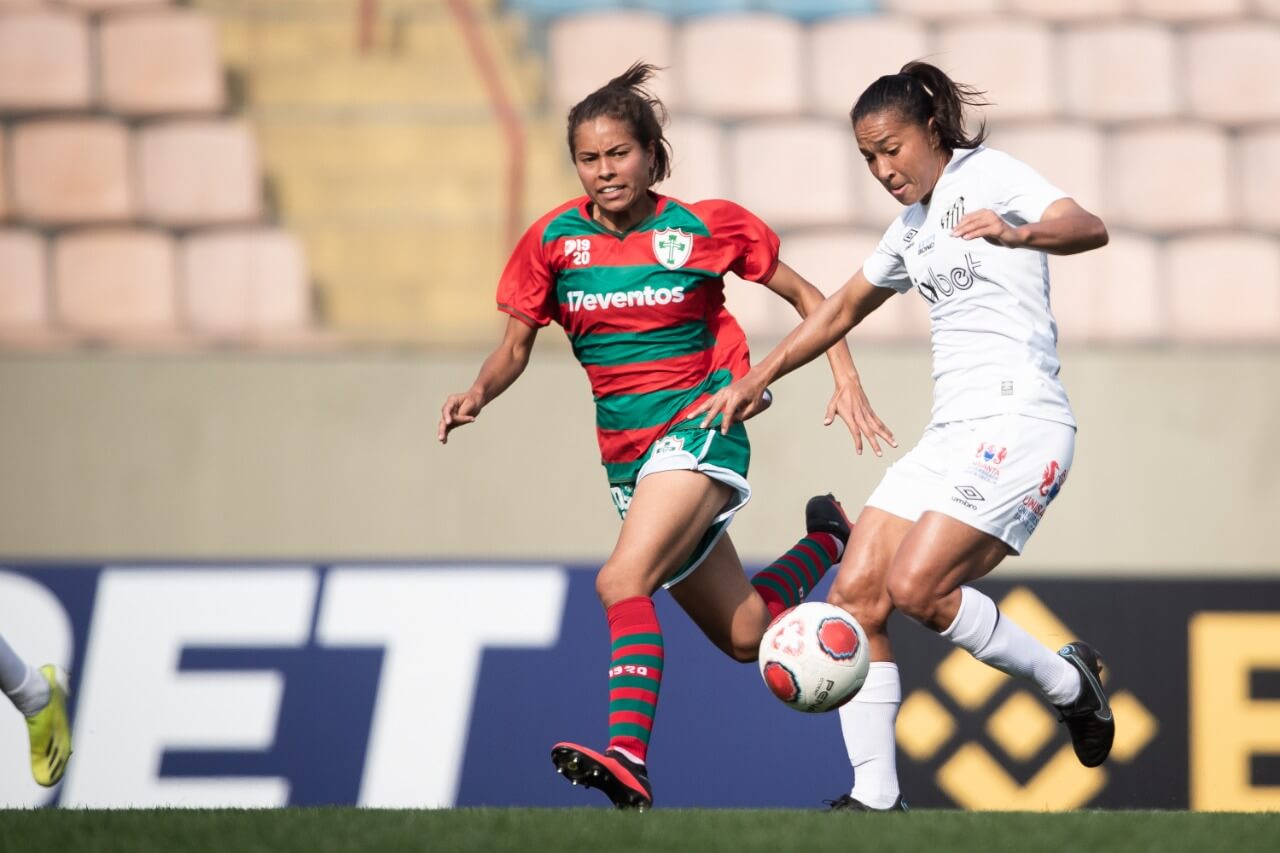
pixel 527 289
pixel 755 243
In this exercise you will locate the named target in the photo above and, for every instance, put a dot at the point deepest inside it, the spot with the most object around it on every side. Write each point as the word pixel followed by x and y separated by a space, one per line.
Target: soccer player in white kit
pixel 972 242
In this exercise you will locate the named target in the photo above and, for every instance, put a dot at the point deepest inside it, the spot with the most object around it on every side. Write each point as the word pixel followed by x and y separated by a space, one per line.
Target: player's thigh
pixel 723 603
pixel 936 557
pixel 860 584
pixel 668 514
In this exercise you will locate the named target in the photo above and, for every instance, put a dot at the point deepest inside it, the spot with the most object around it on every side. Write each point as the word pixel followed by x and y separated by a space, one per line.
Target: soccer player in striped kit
pixel 637 281
pixel 972 242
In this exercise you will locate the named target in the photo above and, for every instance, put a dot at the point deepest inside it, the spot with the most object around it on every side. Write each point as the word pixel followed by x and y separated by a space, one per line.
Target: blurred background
pixel 247 247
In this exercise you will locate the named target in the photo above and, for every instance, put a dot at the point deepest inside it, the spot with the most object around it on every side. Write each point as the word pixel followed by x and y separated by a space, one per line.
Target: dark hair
pixel 920 92
pixel 624 98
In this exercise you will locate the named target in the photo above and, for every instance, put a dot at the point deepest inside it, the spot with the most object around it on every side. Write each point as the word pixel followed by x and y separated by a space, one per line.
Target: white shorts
pixel 995 474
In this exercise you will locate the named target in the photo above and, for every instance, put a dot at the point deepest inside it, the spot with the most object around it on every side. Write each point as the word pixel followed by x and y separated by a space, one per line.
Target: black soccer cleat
pixel 622 780
pixel 846 803
pixel 1089 718
pixel 823 514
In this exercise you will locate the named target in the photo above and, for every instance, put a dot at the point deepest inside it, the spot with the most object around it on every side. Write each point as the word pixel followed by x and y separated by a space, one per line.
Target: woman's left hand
pixel 850 404
pixel 991 227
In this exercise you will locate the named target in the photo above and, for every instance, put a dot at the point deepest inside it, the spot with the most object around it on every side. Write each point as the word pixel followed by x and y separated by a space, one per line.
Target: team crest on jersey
pixel 672 247
pixel 668 444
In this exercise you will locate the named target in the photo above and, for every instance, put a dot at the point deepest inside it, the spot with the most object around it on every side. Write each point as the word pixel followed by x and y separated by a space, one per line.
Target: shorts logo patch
pixel 991 453
pixel 668 444
pixel 1051 482
pixel 672 247
pixel 986 462
pixel 970 493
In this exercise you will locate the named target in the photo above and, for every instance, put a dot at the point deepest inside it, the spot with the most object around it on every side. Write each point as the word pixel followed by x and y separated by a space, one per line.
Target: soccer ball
pixel 814 657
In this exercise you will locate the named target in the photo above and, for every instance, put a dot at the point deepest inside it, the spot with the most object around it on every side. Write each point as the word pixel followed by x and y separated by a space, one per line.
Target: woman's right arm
pixel 830 322
pixel 503 366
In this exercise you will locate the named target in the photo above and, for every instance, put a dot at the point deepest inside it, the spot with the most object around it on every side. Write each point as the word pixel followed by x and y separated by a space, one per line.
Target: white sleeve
pixel 1024 194
pixel 885 267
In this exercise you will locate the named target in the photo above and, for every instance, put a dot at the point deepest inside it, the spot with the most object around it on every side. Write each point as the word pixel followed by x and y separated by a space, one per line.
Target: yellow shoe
pixel 50 734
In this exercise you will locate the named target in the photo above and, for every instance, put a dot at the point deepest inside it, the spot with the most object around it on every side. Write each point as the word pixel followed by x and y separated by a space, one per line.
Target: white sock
pixel 868 726
pixel 22 683
pixel 998 641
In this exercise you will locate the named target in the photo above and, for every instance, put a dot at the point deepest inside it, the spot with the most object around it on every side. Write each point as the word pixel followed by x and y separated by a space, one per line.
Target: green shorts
pixel 723 458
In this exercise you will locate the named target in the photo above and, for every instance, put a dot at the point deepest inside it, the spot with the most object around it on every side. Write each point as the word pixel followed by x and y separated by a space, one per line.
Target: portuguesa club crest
pixel 672 247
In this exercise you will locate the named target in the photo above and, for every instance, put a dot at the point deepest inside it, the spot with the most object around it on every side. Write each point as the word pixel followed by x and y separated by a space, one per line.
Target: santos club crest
pixel 672 247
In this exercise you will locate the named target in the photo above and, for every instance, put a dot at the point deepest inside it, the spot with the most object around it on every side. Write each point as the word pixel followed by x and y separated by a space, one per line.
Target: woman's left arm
pixel 1065 228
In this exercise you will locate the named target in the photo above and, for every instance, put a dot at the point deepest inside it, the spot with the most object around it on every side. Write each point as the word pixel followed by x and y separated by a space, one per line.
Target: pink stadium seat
pixel 160 62
pixel 1169 177
pixel 249 283
pixel 1260 176
pixel 1112 295
pixel 1269 8
pixel 1012 60
pixel 942 8
pixel 1142 54
pixel 23 303
pixel 1069 155
pixel 69 171
pixel 1189 10
pixel 1225 287
pixel 774 174
pixel 847 54
pixel 735 66
pixel 4 177
pixel 199 173
pixel 698 166
pixel 44 61
pixel 583 53
pixel 1080 10
pixel 115 282
pixel 112 5
pixel 1231 73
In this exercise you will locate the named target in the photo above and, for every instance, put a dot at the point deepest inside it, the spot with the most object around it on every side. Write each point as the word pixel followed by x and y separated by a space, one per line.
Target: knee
pixel 615 583
pixel 859 593
pixel 909 593
pixel 743 651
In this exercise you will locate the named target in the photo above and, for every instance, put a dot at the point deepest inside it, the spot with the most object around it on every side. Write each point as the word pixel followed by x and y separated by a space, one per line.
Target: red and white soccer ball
pixel 814 657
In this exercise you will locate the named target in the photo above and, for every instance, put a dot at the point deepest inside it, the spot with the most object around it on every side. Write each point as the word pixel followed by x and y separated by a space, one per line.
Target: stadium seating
pixel 1259 172
pixel 839 74
pixel 244 284
pixel 742 66
pixel 1143 54
pixel 116 284
pixel 942 9
pixel 4 176
pixel 1231 73
pixel 44 60
pixel 1109 297
pixel 1223 288
pixel 583 53
pixel 1183 11
pixel 161 62
pixel 114 5
pixel 794 173
pixel 981 53
pixel 1170 177
pixel 73 170
pixel 198 172
pixel 699 167
pixel 23 282
pixel 1080 10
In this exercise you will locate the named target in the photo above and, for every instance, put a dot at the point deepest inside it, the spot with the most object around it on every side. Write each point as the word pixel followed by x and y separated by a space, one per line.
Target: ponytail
pixel 920 92
pixel 626 99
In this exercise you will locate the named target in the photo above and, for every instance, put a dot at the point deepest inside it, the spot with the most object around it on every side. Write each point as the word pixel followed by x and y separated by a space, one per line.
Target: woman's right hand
pixel 458 410
pixel 737 402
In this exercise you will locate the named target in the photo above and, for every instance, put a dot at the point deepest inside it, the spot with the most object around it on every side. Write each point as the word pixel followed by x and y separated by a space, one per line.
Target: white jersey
pixel 994 338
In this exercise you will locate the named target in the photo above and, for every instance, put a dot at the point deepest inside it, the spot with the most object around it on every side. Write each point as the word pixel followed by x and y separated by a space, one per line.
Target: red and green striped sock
pixel 787 580
pixel 635 674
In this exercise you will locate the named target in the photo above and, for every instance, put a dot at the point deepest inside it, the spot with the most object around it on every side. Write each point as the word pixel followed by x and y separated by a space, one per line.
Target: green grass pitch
pixel 733 831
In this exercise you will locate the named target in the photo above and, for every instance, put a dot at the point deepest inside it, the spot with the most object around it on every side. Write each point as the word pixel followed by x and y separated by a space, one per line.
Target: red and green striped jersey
pixel 644 310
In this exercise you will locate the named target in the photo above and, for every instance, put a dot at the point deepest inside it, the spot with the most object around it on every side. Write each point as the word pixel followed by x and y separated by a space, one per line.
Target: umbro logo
pixel 909 236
